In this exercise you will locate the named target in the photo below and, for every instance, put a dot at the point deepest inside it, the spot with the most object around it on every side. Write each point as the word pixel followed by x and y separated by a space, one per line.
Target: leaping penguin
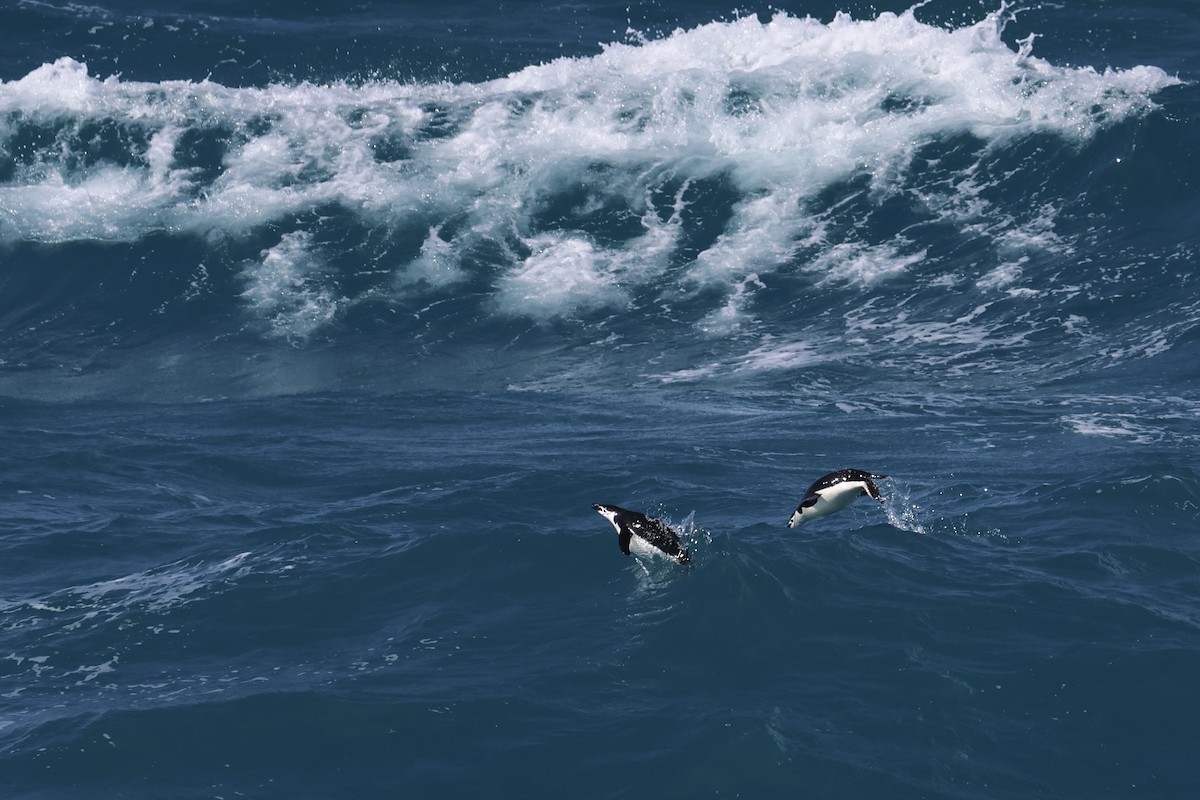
pixel 647 535
pixel 833 492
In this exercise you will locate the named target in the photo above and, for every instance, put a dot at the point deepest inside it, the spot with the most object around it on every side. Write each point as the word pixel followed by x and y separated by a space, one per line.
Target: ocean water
pixel 322 326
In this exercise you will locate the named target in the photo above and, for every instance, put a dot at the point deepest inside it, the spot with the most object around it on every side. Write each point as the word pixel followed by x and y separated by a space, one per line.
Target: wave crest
pixel 717 178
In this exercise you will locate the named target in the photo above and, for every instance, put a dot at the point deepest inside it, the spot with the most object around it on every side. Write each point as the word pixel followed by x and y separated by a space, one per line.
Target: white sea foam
pixel 771 354
pixel 1114 426
pixel 158 589
pixel 561 274
pixel 778 111
pixel 436 265
pixel 151 591
pixel 128 601
pixel 285 288
pixel 862 264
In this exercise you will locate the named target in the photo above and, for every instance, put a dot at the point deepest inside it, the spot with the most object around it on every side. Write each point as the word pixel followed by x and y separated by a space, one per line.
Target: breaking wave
pixel 742 198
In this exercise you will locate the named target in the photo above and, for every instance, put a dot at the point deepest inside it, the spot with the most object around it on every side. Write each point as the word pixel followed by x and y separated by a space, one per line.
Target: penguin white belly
pixel 639 546
pixel 837 497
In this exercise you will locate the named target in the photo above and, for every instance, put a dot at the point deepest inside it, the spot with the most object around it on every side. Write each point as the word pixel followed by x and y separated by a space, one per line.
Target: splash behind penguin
pixel 833 492
pixel 646 535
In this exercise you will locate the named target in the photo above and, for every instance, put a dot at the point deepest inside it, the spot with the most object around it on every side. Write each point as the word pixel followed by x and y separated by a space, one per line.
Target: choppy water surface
pixel 322 329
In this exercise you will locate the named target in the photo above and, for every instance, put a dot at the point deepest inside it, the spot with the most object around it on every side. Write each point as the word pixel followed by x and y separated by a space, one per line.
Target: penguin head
pixel 608 512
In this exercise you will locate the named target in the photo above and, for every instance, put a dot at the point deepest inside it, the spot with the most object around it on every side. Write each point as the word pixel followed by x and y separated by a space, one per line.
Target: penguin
pixel 833 492
pixel 646 535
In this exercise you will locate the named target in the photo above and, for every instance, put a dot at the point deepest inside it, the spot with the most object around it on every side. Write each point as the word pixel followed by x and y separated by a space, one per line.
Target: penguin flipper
pixel 623 540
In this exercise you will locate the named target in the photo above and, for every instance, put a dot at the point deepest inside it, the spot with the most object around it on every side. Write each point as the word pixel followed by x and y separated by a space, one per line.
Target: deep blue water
pixel 322 327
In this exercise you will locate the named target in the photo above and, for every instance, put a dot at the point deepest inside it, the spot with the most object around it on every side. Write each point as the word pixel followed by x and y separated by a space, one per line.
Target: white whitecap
pixel 773 113
pixel 285 287
pixel 561 276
